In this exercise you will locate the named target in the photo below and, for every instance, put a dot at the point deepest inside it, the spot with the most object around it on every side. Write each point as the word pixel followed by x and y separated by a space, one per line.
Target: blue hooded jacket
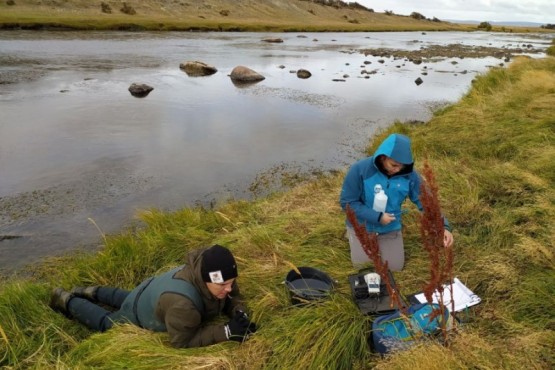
pixel 363 178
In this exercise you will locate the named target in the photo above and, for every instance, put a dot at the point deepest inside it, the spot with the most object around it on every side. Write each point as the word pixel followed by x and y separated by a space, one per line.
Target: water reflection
pixel 74 144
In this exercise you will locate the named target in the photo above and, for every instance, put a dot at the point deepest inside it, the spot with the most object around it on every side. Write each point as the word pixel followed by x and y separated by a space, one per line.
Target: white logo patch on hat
pixel 216 277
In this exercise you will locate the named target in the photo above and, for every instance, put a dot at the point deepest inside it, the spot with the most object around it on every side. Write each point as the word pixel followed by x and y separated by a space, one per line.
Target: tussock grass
pixel 492 154
pixel 551 50
pixel 129 347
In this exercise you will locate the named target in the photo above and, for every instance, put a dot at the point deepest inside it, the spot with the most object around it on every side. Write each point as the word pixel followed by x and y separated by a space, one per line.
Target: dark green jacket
pixel 179 302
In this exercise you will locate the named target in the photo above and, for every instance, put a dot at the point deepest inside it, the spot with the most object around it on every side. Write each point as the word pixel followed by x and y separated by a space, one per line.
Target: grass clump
pixel 551 50
pixel 492 155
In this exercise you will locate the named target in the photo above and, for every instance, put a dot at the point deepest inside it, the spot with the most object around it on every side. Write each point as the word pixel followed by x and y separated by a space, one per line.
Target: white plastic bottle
pixel 380 201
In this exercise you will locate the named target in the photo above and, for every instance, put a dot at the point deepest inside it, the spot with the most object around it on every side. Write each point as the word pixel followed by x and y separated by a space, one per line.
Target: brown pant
pixel 391 245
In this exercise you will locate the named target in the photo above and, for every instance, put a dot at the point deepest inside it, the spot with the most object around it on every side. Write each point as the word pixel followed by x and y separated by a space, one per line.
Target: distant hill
pixel 499 23
pixel 222 15
pixel 218 15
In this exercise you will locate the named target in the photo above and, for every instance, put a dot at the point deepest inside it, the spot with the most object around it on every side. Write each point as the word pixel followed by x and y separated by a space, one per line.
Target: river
pixel 79 153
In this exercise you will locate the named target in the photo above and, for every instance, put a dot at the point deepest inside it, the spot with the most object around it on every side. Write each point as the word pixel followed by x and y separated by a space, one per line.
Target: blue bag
pixel 393 332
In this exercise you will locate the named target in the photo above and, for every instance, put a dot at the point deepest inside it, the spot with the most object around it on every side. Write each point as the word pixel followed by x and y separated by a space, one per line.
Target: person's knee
pixel 395 263
pixel 395 267
pixel 358 264
pixel 358 257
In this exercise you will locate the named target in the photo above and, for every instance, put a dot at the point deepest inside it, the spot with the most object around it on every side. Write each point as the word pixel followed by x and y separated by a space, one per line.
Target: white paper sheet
pixel 462 296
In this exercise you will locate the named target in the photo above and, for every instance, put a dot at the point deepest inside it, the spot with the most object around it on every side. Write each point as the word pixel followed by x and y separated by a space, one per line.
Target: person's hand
pixel 447 238
pixel 252 325
pixel 387 218
pixel 239 328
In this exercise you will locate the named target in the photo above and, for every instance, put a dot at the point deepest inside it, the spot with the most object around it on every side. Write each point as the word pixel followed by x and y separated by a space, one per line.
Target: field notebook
pixel 462 296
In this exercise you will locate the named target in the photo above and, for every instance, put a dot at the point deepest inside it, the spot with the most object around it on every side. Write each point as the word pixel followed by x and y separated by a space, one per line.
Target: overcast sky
pixel 540 11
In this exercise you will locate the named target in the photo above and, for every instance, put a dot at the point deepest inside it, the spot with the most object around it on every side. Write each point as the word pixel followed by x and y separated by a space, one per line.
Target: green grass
pixel 551 50
pixel 492 154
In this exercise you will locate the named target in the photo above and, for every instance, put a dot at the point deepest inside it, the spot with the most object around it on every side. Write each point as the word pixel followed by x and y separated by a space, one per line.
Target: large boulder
pixel 244 74
pixel 303 73
pixel 196 68
pixel 140 90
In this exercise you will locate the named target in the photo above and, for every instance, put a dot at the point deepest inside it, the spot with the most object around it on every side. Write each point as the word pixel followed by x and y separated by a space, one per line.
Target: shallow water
pixel 75 146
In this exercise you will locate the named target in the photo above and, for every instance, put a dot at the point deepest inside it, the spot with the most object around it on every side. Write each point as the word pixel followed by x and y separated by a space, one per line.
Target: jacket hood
pixel 397 147
pixel 192 271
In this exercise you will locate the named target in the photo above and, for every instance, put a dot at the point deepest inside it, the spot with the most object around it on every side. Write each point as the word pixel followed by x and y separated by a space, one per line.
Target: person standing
pixel 181 301
pixel 388 177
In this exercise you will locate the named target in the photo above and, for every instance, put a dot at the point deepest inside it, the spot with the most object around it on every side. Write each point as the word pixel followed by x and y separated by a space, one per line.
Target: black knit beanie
pixel 218 265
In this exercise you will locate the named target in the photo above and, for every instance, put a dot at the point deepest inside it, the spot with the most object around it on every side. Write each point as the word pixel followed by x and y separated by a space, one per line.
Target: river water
pixel 77 147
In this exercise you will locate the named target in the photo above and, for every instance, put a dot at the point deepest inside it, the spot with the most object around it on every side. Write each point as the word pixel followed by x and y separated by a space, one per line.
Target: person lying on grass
pixel 180 301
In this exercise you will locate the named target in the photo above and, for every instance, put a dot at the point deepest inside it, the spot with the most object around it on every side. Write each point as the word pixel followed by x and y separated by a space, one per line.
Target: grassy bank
pixel 493 157
pixel 551 50
pixel 211 15
pixel 218 15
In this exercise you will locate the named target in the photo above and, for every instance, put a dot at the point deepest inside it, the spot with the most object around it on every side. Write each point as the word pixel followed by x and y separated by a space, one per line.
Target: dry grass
pixel 291 15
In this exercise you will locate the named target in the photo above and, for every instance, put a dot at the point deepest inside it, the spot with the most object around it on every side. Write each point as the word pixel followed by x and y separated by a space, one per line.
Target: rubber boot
pixel 59 301
pixel 85 292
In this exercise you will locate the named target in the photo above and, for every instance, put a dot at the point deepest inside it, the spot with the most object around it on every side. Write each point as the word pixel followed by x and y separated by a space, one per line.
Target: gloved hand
pixel 239 327
pixel 252 325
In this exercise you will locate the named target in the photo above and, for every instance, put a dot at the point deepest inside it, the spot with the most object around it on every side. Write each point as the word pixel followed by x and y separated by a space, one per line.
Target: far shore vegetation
pixel 492 154
pixel 222 15
pixel 551 50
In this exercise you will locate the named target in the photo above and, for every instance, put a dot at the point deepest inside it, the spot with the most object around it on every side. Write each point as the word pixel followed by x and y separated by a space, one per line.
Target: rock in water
pixel 196 68
pixel 244 74
pixel 303 73
pixel 140 90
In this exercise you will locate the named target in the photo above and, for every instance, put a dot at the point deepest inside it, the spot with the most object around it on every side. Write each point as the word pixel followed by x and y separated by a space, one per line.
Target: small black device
pixel 370 299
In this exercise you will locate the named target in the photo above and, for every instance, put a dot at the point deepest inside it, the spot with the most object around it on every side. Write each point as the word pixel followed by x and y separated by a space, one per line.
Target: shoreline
pixel 141 27
pixel 30 205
